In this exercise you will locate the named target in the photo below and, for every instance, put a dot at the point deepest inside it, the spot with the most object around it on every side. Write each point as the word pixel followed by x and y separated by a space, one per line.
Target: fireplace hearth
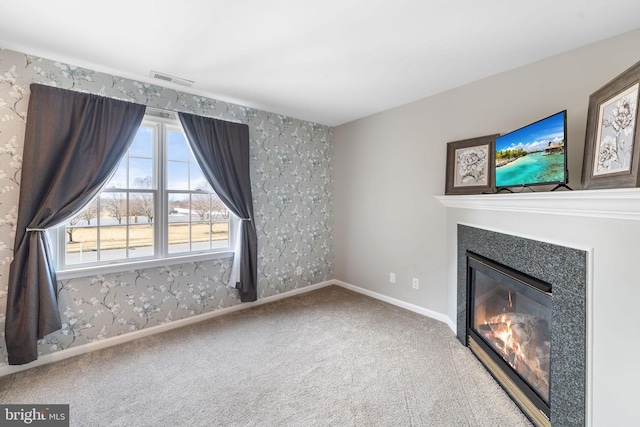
pixel 509 330
pixel 565 270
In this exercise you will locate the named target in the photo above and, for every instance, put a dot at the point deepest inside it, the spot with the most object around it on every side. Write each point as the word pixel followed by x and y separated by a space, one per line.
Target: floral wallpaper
pixel 292 184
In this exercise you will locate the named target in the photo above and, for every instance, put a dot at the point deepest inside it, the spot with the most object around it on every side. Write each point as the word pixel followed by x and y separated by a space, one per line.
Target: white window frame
pixel 162 256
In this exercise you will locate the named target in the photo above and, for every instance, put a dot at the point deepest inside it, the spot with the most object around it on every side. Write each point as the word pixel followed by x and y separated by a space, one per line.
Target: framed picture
pixel 470 165
pixel 611 151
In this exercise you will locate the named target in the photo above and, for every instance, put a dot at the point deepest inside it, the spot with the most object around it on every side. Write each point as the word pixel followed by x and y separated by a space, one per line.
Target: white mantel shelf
pixel 613 204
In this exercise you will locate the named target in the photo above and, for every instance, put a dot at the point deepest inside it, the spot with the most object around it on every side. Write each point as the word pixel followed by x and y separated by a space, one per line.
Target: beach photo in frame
pixel 611 151
pixel 470 165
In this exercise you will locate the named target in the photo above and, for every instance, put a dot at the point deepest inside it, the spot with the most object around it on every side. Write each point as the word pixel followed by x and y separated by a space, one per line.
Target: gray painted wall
pixel 389 166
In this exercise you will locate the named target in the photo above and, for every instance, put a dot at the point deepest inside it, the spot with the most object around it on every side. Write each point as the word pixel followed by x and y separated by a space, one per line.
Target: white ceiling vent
pixel 171 79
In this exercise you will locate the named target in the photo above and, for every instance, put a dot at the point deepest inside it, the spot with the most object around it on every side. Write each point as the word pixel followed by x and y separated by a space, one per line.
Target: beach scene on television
pixel 534 154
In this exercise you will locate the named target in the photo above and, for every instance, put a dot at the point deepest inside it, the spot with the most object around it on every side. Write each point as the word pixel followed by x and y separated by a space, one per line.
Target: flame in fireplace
pixel 506 341
pixel 516 337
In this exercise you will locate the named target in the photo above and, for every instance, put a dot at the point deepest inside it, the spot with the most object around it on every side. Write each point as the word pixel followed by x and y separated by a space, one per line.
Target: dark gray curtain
pixel 222 150
pixel 73 143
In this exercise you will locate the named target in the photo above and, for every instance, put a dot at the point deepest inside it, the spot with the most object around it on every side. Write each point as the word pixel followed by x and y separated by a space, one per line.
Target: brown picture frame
pixel 611 149
pixel 471 166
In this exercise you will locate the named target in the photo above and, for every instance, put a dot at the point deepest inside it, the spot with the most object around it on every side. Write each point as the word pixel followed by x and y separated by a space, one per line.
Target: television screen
pixel 534 154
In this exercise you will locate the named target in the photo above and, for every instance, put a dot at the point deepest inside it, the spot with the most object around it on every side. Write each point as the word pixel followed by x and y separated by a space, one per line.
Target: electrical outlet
pixel 299 271
pixel 392 277
pixel 416 284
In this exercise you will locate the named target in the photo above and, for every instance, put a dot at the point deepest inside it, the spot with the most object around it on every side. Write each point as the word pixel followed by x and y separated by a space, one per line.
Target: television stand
pixel 561 186
pixel 504 189
pixel 509 190
pixel 522 188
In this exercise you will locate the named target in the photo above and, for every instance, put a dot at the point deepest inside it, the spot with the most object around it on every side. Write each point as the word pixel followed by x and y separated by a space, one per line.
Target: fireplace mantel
pixel 613 204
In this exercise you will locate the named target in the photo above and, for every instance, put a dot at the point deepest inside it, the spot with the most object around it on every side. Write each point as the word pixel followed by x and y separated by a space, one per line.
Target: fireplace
pixel 565 269
pixel 509 330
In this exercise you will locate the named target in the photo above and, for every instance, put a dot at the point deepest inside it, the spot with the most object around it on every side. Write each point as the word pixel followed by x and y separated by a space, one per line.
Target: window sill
pixel 118 267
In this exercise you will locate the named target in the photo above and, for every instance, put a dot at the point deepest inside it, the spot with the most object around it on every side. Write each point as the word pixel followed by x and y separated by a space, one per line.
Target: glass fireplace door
pixel 511 313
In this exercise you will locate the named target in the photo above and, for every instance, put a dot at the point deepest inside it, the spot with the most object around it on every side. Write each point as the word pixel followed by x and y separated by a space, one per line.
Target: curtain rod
pixel 162 112
pixel 173 114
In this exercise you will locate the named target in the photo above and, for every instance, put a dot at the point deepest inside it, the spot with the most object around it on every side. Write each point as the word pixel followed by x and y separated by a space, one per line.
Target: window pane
pixel 220 233
pixel 141 214
pixel 177 176
pixel 179 208
pixel 140 240
pixel 142 145
pixel 81 244
pixel 198 181
pixel 201 206
pixel 200 235
pixel 178 238
pixel 113 242
pixel 179 229
pixel 200 246
pixel 119 179
pixel 218 209
pixel 141 173
pixel 81 236
pixel 220 223
pixel 88 216
pixel 177 146
pixel 141 208
pixel 114 208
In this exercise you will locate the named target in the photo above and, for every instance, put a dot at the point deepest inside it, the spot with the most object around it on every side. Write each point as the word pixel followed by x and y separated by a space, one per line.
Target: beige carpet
pixel 329 357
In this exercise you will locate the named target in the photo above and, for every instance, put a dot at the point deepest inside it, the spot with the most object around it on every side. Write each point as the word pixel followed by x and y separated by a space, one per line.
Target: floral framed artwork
pixel 470 165
pixel 612 151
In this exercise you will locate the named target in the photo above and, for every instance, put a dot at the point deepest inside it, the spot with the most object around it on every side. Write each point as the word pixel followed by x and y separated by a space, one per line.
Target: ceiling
pixel 329 61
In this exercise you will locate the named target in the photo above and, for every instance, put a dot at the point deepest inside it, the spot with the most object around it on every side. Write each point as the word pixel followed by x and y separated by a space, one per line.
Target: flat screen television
pixel 534 154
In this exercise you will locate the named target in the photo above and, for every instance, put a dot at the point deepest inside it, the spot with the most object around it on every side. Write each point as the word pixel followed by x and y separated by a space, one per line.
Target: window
pixel 157 204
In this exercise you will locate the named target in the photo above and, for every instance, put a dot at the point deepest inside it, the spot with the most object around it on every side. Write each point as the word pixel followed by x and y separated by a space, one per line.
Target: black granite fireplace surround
pixel 566 270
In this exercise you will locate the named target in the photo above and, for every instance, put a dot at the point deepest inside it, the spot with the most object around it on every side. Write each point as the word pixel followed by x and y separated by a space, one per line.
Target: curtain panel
pixel 221 149
pixel 73 143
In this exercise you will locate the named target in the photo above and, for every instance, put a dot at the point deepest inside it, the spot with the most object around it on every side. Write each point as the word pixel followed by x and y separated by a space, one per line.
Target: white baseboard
pixel 402 304
pixel 130 336
pixel 121 339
